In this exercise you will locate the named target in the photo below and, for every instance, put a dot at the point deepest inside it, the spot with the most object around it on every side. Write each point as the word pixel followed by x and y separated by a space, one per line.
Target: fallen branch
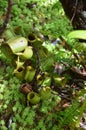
pixel 34 81
pixel 7 17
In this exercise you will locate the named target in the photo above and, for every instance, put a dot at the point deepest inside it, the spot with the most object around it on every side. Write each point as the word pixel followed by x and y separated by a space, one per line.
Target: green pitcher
pixel 17 44
pixel 45 93
pixel 26 54
pixel 20 73
pixel 30 73
pixel 33 97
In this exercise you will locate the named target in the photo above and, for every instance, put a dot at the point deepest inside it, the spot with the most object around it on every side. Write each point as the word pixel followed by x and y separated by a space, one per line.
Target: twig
pixel 80 74
pixel 7 17
pixel 10 122
pixel 74 11
pixel 34 81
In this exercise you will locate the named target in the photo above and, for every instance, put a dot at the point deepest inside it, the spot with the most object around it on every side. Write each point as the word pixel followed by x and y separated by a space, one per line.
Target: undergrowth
pixel 47 21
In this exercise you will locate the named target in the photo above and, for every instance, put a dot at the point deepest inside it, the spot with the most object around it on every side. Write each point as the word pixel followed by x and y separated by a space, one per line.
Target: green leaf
pixel 6 50
pixel 79 34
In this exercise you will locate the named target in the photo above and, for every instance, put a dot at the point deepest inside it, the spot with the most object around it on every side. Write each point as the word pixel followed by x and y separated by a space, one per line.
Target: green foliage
pixel 39 18
pixel 73 114
pixel 25 17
